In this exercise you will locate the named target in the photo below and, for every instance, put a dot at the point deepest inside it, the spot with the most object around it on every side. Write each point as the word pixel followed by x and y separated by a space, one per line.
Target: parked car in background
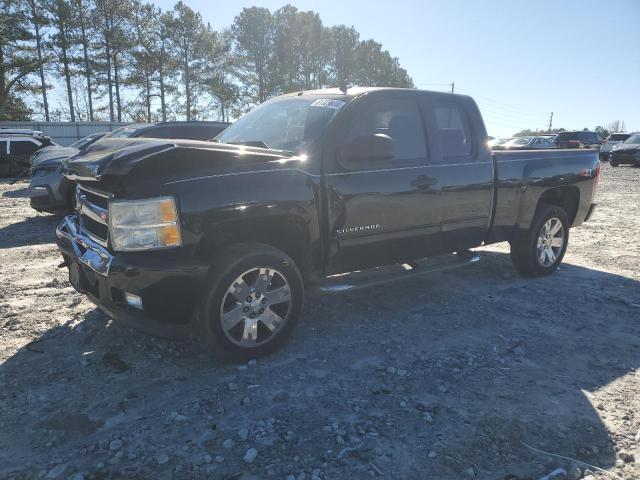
pixel 627 152
pixel 578 139
pixel 498 142
pixel 51 192
pixel 304 187
pixel 527 143
pixel 17 146
pixel 611 141
pixel 185 130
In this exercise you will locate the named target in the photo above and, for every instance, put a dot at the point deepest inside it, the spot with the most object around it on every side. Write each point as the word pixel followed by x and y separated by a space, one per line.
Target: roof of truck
pixel 355 91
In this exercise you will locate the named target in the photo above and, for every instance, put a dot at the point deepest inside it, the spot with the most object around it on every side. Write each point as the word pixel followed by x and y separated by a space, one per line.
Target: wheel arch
pixel 287 233
pixel 566 197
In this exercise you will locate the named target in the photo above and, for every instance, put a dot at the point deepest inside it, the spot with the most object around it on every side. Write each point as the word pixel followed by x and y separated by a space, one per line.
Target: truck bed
pixel 522 176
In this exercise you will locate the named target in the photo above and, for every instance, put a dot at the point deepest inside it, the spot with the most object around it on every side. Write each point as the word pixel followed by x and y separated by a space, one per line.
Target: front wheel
pixel 614 163
pixel 539 251
pixel 253 300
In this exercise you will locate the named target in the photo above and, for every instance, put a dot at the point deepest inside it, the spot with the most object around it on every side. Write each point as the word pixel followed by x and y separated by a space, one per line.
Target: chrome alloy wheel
pixel 550 242
pixel 255 306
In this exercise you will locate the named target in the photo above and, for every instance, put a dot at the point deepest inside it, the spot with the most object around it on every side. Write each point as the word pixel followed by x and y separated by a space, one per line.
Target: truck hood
pixel 52 155
pixel 120 156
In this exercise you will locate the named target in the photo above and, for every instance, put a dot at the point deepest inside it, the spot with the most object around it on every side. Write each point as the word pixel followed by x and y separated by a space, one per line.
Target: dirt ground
pixel 447 377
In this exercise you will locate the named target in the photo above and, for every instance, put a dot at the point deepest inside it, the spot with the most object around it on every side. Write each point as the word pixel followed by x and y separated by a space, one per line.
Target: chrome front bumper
pixel 86 251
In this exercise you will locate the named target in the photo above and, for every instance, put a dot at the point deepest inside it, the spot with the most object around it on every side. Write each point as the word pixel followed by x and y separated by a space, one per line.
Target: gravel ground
pixel 447 377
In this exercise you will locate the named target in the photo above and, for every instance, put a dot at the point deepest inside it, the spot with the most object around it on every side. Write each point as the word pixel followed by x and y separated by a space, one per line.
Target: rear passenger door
pixel 463 165
pixel 383 212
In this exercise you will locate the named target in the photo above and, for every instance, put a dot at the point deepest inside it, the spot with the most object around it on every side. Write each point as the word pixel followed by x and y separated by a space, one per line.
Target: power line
pixel 506 106
pixel 504 114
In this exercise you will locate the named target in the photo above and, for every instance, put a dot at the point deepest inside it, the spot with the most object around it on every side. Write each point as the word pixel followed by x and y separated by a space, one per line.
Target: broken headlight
pixel 144 224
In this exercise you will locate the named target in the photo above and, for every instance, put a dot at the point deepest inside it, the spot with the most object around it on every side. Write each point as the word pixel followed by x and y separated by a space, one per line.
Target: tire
pixel 252 302
pixel 614 163
pixel 528 252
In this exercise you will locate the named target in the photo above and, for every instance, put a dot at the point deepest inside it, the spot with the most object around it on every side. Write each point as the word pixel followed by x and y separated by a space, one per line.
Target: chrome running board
pixel 358 280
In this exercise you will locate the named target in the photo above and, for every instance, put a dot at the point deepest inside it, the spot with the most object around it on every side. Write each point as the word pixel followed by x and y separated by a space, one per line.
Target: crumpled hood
pixel 52 155
pixel 153 156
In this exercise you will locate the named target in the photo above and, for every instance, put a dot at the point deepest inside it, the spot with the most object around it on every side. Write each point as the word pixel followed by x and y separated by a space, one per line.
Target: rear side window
pixel 565 136
pixel 452 129
pixel 23 147
pixel 399 119
pixel 618 137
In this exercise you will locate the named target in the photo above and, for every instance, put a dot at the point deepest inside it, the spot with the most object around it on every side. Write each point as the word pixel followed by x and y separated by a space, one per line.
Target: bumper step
pixel 359 280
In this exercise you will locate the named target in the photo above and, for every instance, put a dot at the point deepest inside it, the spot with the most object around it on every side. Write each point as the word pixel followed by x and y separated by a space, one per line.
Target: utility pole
pixel 550 122
pixel 453 84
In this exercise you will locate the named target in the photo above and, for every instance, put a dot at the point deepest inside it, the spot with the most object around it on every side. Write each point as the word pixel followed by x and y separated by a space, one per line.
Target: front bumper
pixel 170 289
pixel 626 157
pixel 50 192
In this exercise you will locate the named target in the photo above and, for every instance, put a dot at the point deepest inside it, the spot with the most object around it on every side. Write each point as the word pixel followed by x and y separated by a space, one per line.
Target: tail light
pixel 596 181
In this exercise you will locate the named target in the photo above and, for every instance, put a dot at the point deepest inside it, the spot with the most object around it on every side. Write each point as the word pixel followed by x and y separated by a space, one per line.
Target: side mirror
pixel 376 147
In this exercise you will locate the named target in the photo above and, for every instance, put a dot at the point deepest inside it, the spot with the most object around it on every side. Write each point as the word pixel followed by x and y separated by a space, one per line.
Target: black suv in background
pixel 17 146
pixel 580 139
pixel 52 192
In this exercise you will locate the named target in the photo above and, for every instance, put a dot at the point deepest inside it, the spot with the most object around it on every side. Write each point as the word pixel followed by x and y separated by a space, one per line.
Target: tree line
pixel 126 60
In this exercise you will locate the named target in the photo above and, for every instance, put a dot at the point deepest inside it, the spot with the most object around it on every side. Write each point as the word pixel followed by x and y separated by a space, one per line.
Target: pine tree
pixel 39 20
pixel 64 21
pixel 83 8
pixel 189 45
pixel 253 31
pixel 17 59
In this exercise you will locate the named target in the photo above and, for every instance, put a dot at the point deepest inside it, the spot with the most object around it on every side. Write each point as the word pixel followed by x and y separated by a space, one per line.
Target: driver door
pixel 383 212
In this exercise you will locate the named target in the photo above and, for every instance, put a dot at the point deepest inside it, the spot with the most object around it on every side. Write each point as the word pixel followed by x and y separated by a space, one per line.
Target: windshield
pixel 122 132
pixel 83 142
pixel 633 139
pixel 284 123
pixel 521 141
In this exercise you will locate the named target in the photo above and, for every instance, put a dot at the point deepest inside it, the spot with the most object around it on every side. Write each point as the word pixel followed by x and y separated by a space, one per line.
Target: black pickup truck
pixel 219 239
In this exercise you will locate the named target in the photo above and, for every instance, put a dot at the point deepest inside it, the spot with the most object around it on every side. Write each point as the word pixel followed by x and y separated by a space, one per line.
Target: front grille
pixel 100 200
pixel 626 157
pixel 93 208
pixel 96 229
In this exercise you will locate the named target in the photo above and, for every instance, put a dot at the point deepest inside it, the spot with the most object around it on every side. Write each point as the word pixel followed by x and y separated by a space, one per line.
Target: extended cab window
pixel 400 120
pixel 453 131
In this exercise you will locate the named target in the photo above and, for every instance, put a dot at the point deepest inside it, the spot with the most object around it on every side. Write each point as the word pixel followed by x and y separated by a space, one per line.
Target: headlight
pixel 144 224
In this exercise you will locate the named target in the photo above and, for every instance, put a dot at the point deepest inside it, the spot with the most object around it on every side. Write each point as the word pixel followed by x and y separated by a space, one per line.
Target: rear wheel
pixel 254 299
pixel 539 250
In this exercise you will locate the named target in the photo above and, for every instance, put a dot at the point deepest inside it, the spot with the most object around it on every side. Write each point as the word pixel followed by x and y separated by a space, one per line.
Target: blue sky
pixel 520 60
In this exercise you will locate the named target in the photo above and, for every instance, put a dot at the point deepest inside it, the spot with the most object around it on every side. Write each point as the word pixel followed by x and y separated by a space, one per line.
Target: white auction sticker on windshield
pixel 328 103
